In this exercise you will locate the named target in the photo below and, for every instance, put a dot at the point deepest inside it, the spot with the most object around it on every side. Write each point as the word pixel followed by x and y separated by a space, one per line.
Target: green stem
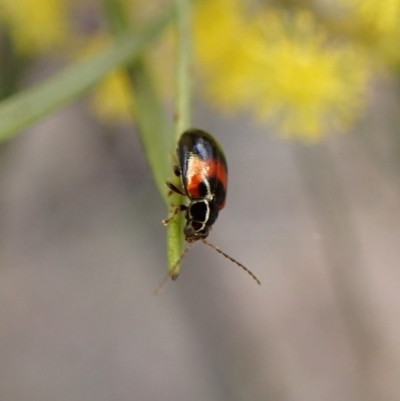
pixel 175 238
pixel 148 111
pixel 153 126
pixel 149 116
pixel 183 105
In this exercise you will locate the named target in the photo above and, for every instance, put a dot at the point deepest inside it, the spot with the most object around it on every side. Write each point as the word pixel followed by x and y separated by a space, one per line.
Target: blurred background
pixel 312 210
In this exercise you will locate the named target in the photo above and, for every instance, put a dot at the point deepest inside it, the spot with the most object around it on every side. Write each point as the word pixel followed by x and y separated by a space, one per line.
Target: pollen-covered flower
pixel 279 66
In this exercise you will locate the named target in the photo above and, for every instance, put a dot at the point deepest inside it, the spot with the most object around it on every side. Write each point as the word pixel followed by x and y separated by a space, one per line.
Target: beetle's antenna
pixel 161 286
pixel 173 276
pixel 232 260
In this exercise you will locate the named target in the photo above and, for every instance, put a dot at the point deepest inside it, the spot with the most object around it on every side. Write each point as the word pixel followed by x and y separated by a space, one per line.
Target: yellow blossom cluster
pixel 376 24
pixel 35 25
pixel 112 99
pixel 279 66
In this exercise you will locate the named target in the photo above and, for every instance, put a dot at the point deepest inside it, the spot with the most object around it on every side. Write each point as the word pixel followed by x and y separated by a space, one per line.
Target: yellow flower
pixel 35 25
pixel 112 100
pixel 376 23
pixel 278 66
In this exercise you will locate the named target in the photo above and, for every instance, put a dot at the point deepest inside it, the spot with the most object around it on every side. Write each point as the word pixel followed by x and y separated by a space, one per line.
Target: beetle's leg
pixel 173 188
pixel 180 208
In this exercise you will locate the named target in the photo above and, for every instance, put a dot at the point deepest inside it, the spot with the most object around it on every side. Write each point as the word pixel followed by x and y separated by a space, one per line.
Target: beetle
pixel 204 178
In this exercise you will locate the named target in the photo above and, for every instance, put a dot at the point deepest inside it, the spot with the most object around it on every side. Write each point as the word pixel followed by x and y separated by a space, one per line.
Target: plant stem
pixel 182 122
pixel 148 111
pixel 149 116
pixel 183 103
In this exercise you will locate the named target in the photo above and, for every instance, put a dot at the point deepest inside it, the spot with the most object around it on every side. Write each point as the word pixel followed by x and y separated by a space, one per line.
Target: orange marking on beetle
pixel 196 174
pixel 199 170
pixel 218 170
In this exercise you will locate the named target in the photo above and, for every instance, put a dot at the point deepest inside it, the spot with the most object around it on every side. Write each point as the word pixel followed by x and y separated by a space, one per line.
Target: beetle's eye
pixel 203 233
pixel 188 231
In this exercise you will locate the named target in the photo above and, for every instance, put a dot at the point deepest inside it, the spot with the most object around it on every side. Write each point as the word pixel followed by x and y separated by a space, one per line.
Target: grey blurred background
pixel 83 248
